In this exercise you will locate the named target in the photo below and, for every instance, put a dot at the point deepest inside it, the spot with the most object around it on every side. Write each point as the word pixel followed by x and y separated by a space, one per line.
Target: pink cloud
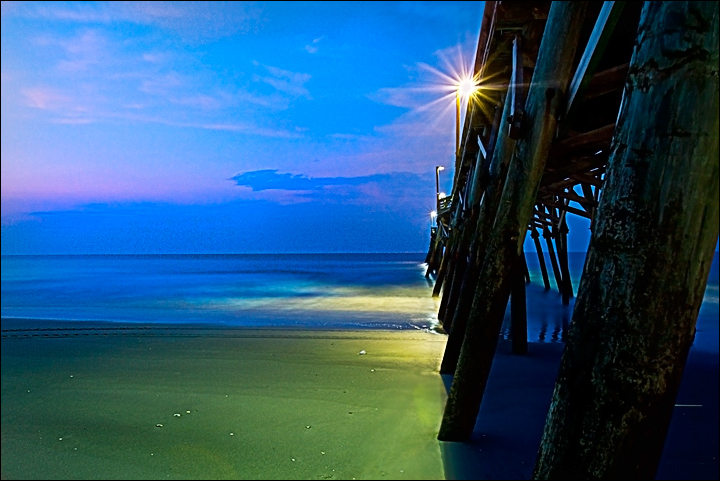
pixel 44 98
pixel 73 121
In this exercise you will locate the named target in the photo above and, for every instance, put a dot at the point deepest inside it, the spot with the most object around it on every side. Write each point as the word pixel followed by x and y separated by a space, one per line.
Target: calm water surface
pixel 335 291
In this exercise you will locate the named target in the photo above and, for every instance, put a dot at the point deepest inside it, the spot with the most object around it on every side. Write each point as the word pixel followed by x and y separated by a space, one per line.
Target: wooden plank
pixel 517 82
pixel 569 183
pixel 482 148
pixel 544 215
pixel 487 34
pixel 566 208
pixel 588 193
pixel 539 210
pixel 610 80
pixel 598 139
pixel 562 170
pixel 543 222
pixel 480 176
pixel 594 50
pixel 571 195
pixel 587 179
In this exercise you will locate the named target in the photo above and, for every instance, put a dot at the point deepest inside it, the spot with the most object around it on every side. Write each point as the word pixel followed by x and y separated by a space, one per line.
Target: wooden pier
pixel 607 111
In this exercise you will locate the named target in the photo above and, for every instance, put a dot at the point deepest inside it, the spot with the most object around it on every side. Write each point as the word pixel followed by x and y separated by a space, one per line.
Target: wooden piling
pixel 649 257
pixel 544 103
pixel 547 235
pixel 541 258
pixel 428 257
pixel 442 270
pixel 567 289
pixel 475 189
pixel 526 271
pixel 486 215
pixel 450 296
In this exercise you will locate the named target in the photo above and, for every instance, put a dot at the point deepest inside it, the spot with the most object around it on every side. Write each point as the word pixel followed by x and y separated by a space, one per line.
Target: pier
pixel 607 111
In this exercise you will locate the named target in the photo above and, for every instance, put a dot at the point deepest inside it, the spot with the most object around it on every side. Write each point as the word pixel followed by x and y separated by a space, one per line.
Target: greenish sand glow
pixel 263 405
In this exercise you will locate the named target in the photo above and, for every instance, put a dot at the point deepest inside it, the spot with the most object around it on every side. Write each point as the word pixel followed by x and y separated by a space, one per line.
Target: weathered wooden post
pixel 433 233
pixel 526 272
pixel 547 235
pixel 476 189
pixel 649 257
pixel 442 271
pixel 450 296
pixel 544 103
pixel 541 258
pixel 567 289
pixel 488 206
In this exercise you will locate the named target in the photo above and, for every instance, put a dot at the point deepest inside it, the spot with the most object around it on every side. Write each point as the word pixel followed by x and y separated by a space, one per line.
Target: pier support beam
pixel 442 271
pixel 544 103
pixel 561 242
pixel 553 260
pixel 501 156
pixel 541 258
pixel 452 291
pixel 649 257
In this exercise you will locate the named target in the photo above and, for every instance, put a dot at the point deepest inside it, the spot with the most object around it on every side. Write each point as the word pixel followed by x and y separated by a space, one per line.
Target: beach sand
pixel 262 405
pixel 85 403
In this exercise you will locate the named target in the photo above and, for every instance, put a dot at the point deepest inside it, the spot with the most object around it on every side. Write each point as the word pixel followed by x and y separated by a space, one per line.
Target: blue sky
pixel 227 127
pixel 164 127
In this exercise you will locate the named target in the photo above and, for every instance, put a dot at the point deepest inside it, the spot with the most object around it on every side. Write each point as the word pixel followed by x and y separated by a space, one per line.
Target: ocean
pixel 307 291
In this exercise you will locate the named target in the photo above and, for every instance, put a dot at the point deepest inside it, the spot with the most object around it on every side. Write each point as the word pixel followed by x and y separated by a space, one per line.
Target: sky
pixel 162 127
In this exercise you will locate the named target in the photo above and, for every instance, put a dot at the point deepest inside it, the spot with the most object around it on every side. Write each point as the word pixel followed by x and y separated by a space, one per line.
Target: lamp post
pixel 457 120
pixel 438 168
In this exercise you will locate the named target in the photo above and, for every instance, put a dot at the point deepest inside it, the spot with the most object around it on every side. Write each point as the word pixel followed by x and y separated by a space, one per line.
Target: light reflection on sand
pixel 335 298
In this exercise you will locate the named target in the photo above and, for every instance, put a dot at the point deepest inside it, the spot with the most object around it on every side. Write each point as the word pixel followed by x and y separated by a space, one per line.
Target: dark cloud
pixel 271 179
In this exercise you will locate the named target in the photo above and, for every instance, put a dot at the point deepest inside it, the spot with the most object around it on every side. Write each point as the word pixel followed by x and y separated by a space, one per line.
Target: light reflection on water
pixel 348 290
pixel 387 291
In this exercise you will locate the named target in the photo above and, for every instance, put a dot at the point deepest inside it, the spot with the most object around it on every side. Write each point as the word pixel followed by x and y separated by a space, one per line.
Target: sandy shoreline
pixel 88 406
pixel 252 394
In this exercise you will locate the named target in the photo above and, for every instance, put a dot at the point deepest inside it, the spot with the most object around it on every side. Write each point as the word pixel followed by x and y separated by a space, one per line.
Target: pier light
pixel 466 88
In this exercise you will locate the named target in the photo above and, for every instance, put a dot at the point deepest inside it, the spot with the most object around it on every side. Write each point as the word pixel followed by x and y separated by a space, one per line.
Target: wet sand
pixel 262 405
pixel 86 403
